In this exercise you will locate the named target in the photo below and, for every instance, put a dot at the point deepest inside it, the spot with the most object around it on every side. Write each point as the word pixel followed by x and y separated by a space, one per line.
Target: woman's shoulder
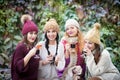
pixel 21 45
pixel 105 52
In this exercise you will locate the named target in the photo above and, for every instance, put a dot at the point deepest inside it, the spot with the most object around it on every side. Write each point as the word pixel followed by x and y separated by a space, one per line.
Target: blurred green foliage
pixel 87 12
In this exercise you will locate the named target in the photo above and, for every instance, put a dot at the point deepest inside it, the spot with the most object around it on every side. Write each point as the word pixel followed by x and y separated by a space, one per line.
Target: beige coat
pixel 104 69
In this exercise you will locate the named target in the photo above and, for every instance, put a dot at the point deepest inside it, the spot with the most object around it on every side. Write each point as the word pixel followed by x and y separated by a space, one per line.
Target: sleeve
pixel 61 62
pixel 103 63
pixel 19 60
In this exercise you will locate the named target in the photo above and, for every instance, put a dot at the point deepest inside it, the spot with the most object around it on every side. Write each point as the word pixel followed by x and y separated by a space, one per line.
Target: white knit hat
pixel 71 22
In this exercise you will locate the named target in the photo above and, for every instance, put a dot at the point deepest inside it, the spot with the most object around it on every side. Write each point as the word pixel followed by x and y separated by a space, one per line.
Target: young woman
pixel 25 60
pixel 99 64
pixel 51 60
pixel 72 45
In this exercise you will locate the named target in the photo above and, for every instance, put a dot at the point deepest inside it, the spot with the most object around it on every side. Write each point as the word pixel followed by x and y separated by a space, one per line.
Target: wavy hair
pixel 80 39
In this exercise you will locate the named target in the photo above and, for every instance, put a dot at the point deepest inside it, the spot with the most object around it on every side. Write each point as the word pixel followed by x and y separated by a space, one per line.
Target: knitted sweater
pixel 49 71
pixel 104 69
pixel 18 71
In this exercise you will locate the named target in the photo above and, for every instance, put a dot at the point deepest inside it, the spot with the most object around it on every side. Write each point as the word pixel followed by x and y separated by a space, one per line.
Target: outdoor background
pixel 87 12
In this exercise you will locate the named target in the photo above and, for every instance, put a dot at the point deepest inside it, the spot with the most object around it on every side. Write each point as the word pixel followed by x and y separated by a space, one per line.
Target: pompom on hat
pixel 51 24
pixel 28 24
pixel 94 34
pixel 71 22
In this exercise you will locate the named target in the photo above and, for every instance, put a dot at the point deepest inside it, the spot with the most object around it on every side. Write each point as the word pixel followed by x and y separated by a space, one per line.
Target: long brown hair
pixel 29 46
pixel 98 50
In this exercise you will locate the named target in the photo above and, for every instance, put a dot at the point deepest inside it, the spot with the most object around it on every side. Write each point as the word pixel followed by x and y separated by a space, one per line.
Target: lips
pixel 70 32
pixel 33 38
pixel 51 37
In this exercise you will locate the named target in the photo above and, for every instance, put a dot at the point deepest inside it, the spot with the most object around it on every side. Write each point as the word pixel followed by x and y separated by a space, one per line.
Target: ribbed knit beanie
pixel 28 24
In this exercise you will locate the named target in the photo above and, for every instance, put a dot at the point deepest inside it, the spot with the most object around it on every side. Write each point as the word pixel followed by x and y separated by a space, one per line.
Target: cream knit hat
pixel 71 22
pixel 94 35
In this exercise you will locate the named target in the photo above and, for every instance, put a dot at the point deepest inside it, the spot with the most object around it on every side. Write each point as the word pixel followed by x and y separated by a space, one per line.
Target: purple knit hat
pixel 28 24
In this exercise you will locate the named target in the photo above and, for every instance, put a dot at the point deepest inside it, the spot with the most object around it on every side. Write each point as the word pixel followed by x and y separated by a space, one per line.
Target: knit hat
pixel 28 24
pixel 51 24
pixel 94 35
pixel 71 22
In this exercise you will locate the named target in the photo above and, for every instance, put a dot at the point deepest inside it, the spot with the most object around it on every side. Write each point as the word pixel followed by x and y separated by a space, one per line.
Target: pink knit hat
pixel 28 24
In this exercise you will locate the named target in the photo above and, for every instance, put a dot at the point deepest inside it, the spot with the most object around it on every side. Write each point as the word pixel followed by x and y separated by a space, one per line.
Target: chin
pixel 31 41
pixel 72 35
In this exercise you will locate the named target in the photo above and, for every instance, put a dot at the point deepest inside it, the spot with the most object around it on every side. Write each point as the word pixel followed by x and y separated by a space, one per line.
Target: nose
pixel 70 29
pixel 51 33
pixel 34 35
pixel 86 44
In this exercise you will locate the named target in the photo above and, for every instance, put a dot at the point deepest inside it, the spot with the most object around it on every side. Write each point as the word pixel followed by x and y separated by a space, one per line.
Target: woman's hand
pixel 38 46
pixel 67 48
pixel 32 52
pixel 48 60
pixel 57 58
pixel 87 51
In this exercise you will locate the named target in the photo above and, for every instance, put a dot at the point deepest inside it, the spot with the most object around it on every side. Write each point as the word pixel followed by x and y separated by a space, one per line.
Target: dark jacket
pixel 18 71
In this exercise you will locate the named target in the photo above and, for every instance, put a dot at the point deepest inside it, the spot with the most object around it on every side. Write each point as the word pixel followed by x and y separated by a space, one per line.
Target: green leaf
pixel 17 37
pixel 5 56
pixel 1 60
pixel 6 40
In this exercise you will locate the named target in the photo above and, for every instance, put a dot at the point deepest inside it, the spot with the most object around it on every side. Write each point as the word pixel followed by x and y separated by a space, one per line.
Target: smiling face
pixel 31 36
pixel 51 34
pixel 90 45
pixel 71 31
